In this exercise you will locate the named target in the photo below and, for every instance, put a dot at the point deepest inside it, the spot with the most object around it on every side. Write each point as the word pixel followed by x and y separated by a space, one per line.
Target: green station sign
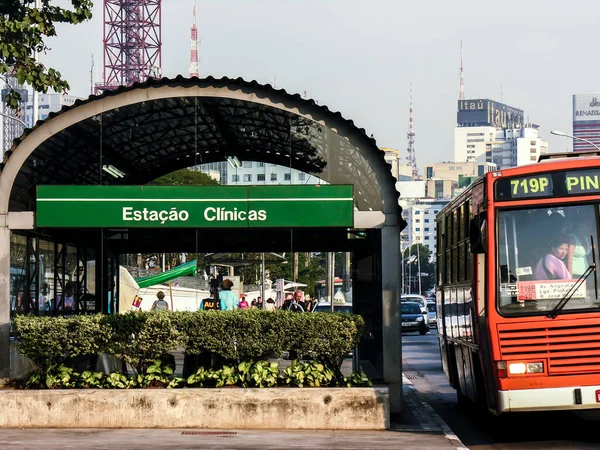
pixel 194 206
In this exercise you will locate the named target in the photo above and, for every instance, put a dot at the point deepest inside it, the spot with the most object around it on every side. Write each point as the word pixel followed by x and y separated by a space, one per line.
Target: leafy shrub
pixel 238 338
pixel 358 379
pixel 233 335
pixel 247 374
pixel 307 374
pixel 43 340
pixel 140 338
pixel 329 337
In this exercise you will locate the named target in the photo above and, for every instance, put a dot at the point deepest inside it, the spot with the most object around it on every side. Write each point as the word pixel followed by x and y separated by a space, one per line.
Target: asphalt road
pixel 556 430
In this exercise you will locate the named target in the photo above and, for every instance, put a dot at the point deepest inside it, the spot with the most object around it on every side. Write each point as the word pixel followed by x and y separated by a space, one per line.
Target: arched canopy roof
pixel 150 129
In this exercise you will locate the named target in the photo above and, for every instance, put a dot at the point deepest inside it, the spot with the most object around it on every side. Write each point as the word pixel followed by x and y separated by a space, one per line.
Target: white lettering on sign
pixel 162 216
pixel 222 214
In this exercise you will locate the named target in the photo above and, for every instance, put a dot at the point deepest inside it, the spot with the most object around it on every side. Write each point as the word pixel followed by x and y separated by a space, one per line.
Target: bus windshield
pixel 542 251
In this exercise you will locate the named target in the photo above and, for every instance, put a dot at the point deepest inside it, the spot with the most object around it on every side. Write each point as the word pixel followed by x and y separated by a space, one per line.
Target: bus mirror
pixel 477 234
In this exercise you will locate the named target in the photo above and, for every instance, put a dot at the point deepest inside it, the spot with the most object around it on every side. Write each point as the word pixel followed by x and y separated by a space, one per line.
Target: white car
pixel 417 299
pixel 432 312
pixel 338 307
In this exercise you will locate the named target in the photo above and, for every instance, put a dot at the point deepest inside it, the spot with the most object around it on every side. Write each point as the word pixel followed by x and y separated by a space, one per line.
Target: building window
pixel 533 158
pixel 301 176
pixel 261 164
pixel 417 229
pixel 273 177
pixel 426 228
pixel 235 178
pixel 287 176
pixel 468 146
pixel 532 142
pixel 260 177
pixel 417 220
pixel 247 164
pixel 417 212
pixel 426 220
pixel 426 238
pixel 247 177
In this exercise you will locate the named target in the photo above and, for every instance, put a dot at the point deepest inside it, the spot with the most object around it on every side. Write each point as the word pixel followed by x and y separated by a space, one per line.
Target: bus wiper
pixel 591 268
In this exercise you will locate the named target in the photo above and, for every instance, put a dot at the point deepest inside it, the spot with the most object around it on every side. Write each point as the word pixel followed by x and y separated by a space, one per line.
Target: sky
pixel 361 57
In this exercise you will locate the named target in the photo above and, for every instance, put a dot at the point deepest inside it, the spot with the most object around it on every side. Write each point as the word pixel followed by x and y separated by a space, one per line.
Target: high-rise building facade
pixel 421 229
pixel 489 131
pixel 586 121
pixel 47 103
pixel 257 173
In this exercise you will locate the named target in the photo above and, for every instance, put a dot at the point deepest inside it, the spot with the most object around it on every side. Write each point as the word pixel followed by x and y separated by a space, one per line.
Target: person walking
pixel 160 302
pixel 228 299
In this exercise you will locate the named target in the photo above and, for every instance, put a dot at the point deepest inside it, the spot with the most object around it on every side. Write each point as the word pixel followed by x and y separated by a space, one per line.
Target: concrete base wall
pixel 285 408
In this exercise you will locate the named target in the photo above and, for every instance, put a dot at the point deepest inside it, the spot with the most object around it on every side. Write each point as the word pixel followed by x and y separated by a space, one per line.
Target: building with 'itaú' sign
pixel 491 132
pixel 586 121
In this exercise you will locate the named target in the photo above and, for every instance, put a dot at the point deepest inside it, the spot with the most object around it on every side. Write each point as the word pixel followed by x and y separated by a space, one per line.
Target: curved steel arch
pixel 146 130
pixel 152 128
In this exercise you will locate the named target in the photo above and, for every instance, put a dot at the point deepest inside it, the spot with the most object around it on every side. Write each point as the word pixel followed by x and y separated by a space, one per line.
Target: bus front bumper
pixel 568 398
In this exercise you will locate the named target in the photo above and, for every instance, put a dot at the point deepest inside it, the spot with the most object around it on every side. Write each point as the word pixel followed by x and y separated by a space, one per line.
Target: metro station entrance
pixel 75 199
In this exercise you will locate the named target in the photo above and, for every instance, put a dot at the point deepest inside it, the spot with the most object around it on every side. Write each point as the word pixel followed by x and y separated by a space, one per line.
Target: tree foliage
pixel 25 29
pixel 425 263
pixel 185 177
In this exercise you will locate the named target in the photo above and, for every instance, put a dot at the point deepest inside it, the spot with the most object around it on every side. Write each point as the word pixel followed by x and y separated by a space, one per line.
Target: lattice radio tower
pixel 132 42
pixel 412 160
pixel 194 70
pixel 461 94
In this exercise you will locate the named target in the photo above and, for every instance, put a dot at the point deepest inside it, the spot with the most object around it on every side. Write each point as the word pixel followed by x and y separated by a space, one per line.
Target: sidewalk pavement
pixel 418 427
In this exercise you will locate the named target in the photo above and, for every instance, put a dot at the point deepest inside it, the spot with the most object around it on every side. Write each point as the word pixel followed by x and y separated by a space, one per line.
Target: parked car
pixel 338 307
pixel 432 313
pixel 413 318
pixel 416 298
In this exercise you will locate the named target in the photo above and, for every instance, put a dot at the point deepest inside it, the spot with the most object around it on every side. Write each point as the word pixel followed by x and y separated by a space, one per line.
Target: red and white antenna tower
pixel 461 95
pixel 132 42
pixel 194 47
pixel 412 160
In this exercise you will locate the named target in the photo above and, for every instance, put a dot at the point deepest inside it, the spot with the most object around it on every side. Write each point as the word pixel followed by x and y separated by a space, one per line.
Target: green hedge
pixel 142 338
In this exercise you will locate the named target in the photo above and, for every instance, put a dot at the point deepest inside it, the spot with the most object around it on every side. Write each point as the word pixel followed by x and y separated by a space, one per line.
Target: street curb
pixel 448 433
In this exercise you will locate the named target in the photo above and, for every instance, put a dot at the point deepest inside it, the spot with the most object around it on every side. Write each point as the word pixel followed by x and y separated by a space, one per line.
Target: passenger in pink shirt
pixel 552 266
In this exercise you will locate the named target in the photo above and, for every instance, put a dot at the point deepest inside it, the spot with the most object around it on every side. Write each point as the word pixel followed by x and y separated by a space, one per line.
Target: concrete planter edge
pixel 207 408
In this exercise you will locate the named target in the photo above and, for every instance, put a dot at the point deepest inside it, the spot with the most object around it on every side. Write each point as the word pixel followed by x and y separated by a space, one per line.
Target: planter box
pixel 237 408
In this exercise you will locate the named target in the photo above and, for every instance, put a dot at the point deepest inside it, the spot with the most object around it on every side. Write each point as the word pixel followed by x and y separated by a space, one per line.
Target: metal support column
pixel 330 277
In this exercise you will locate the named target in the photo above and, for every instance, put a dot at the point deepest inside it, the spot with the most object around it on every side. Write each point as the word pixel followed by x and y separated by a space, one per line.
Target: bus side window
pixel 477 233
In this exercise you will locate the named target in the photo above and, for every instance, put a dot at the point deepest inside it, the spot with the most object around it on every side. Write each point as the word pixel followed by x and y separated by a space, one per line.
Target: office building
pixel 47 103
pixel 257 173
pixel 586 121
pixel 421 229
pixel 443 180
pixel 504 147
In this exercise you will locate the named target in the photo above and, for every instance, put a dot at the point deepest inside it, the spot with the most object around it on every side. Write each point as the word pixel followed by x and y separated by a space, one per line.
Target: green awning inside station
pixel 163 277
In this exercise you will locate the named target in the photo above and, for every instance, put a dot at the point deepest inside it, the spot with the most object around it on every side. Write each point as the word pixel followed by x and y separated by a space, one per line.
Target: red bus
pixel 517 292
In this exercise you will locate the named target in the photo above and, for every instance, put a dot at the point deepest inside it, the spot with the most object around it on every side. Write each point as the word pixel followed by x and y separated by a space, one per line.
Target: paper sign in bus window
pixel 548 290
pixel 521 271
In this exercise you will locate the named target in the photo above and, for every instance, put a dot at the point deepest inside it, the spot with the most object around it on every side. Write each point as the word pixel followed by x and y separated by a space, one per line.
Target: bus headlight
pixel 517 368
pixel 520 368
pixel 536 367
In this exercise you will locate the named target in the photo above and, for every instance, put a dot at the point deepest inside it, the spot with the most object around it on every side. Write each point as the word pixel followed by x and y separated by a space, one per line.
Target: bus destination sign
pixel 551 184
